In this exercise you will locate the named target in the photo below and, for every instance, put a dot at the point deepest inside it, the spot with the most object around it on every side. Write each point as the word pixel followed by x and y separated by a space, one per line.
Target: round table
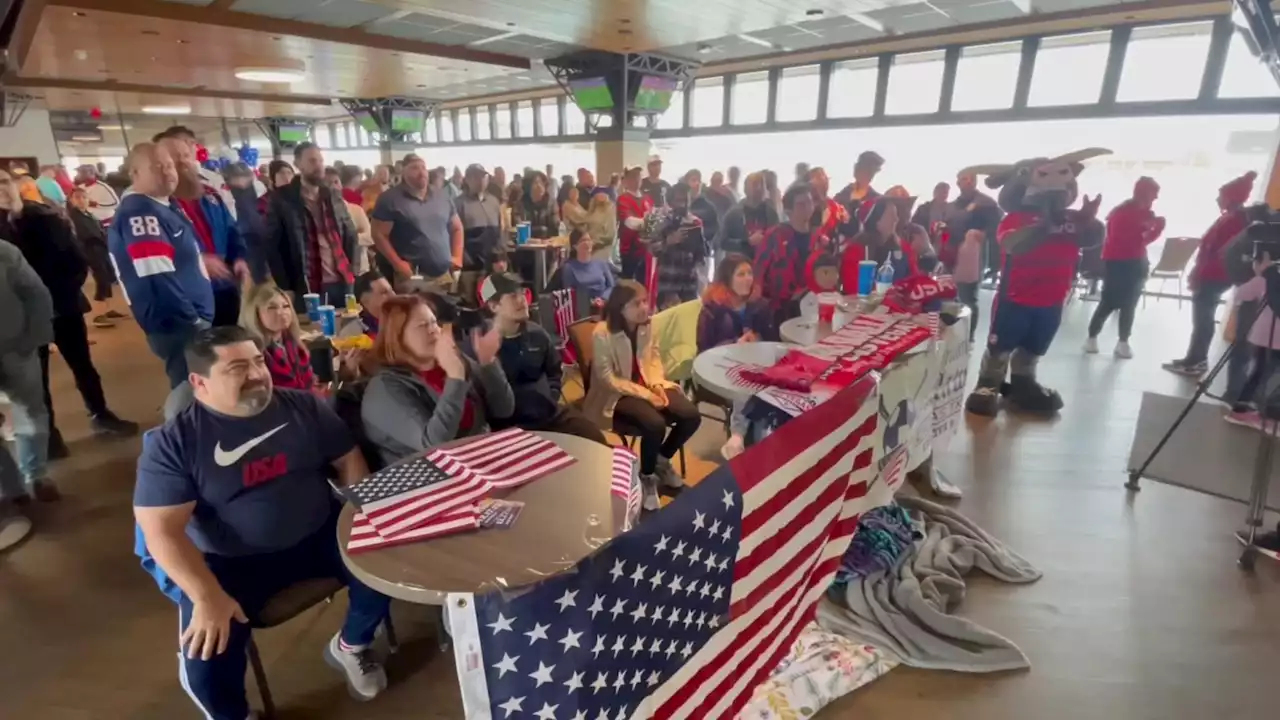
pixel 710 367
pixel 567 516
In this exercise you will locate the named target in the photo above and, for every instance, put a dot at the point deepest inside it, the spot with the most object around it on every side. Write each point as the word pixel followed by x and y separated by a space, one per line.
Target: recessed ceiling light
pixel 115 126
pixel 78 14
pixel 814 12
pixel 511 24
pixel 174 109
pixel 624 31
pixel 275 37
pixel 270 74
pixel 150 32
pixel 81 55
pixel 625 21
pixel 85 138
pixel 182 42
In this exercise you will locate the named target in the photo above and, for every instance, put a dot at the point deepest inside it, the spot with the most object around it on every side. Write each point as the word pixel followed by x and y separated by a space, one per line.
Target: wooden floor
pixel 1141 612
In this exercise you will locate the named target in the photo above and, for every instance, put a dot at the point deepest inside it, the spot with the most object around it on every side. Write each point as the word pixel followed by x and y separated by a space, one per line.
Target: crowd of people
pixel 217 269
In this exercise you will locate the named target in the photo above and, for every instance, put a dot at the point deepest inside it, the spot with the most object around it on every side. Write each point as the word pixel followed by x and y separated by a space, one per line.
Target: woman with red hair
pixel 1208 279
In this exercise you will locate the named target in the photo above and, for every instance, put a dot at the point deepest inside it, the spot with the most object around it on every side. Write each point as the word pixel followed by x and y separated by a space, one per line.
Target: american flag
pixel 504 459
pixel 625 483
pixel 683 616
pixel 566 311
pixel 734 372
pixel 365 537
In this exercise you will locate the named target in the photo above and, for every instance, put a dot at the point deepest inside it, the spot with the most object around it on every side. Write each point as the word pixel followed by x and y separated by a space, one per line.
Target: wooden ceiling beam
pixel 15 81
pixel 213 15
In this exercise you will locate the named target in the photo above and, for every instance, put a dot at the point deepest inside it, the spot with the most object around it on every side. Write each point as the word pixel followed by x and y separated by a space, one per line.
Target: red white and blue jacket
pixel 158 260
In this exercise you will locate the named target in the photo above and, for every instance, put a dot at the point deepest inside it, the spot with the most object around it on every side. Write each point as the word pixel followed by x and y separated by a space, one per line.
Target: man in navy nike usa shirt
pixel 233 502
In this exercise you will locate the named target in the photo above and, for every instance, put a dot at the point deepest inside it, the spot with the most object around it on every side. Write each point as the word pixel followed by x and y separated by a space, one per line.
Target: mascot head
pixel 1046 185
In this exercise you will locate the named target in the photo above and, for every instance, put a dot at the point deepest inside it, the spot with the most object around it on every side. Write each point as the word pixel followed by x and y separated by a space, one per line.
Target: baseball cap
pixel 476 168
pixel 654 159
pixel 499 284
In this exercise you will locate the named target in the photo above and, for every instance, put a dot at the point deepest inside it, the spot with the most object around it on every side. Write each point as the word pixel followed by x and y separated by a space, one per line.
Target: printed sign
pixel 948 396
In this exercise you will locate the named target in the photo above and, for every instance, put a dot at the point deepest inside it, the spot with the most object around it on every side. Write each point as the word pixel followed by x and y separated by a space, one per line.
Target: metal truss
pixel 13 106
pixel 599 63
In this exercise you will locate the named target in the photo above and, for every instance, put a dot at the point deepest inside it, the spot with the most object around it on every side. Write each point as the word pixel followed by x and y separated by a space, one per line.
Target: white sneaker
pixel 1091 346
pixel 365 675
pixel 667 473
pixel 649 492
pixel 13 529
pixel 1123 350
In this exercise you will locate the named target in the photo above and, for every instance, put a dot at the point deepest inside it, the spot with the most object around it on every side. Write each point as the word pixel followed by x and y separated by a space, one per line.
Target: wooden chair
pixel 1172 265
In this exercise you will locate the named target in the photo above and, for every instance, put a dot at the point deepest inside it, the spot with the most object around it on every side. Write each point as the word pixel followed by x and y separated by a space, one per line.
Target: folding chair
pixel 1172 265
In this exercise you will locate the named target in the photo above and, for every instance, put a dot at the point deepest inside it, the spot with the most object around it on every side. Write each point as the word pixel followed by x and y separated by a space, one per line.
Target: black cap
pixel 497 285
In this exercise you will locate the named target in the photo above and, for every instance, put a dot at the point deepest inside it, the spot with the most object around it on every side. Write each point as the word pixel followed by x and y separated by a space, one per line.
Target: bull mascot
pixel 1040 242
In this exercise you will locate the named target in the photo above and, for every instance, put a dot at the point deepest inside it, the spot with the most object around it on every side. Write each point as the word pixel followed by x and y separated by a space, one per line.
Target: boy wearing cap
pixel 531 362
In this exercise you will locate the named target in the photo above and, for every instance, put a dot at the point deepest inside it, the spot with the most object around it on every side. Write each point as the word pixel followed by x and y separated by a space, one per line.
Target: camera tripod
pixel 1266 441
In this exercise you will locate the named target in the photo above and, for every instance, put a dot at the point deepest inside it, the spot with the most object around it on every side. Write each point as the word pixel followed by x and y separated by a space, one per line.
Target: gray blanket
pixel 906 611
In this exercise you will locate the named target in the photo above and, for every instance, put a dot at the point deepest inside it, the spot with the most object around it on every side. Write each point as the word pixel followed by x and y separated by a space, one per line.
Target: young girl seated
pixel 586 274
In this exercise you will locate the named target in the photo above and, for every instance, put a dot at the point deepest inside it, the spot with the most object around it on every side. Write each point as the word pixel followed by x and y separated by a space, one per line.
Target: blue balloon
pixel 210 164
pixel 248 155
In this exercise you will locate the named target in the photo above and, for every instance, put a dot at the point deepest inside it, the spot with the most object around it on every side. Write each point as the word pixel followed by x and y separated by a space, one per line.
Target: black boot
pixel 984 401
pixel 106 423
pixel 57 446
pixel 1030 396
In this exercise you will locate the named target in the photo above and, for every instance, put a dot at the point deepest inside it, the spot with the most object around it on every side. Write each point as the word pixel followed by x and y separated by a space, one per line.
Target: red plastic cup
pixel 827 307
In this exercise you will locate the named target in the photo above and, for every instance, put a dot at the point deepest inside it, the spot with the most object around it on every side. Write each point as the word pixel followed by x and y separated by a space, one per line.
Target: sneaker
pixel 1091 346
pixel 113 315
pixel 106 423
pixel 46 491
pixel 649 492
pixel 1182 367
pixel 1123 351
pixel 667 473
pixel 58 449
pixel 365 675
pixel 102 321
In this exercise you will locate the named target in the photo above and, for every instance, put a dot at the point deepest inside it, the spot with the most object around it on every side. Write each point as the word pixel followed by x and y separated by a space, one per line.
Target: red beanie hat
pixel 1145 183
pixel 1237 191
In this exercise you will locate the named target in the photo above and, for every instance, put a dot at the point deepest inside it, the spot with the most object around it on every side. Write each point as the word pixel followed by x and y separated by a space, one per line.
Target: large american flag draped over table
pixel 685 615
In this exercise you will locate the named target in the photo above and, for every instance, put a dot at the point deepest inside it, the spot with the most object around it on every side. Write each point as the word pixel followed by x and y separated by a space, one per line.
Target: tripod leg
pixel 1203 386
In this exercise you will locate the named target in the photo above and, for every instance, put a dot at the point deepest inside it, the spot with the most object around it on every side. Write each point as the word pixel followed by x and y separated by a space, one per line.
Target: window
pixel 524 118
pixel 576 122
pixel 445 123
pixel 503 115
pixel 1244 75
pixel 853 88
pixel 483 130
pixel 324 135
pixel 798 94
pixel 340 135
pixel 1165 62
pixel 915 83
pixel 673 118
pixel 464 124
pixel 708 102
pixel 549 113
pixel 429 132
pixel 1069 69
pixel 986 76
pixel 362 136
pixel 750 104
pixel 604 120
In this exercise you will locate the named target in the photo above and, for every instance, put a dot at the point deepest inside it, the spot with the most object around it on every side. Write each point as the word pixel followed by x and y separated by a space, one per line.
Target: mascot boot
pixel 985 398
pixel 1024 392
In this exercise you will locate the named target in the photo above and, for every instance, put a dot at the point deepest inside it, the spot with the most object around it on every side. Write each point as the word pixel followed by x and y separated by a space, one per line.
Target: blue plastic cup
pixel 328 320
pixel 523 232
pixel 313 306
pixel 866 277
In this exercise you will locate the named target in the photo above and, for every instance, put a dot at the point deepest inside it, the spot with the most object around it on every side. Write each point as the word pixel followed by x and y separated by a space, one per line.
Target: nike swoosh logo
pixel 227 458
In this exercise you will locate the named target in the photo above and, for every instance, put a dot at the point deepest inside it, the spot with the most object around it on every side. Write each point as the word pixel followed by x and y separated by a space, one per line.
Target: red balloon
pixel 96 113
pixel 202 153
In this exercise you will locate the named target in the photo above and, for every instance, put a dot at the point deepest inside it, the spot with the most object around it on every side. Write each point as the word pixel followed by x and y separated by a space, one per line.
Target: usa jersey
pixel 1041 277
pixel 158 260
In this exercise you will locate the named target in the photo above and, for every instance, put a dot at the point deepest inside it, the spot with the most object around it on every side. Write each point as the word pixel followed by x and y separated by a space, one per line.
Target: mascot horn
pixel 1040 240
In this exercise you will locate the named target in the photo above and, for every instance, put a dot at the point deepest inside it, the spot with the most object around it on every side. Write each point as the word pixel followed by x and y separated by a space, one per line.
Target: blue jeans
pixel 171 347
pixel 21 380
pixel 217 685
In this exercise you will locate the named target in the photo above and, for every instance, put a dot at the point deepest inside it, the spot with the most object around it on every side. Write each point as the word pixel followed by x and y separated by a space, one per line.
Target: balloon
pixel 208 164
pixel 248 155
pixel 202 154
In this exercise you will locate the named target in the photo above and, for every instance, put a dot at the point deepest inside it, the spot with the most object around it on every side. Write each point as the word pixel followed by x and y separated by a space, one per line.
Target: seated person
pixel 372 290
pixel 531 361
pixel 878 242
pixel 425 391
pixel 629 391
pixel 584 273
pixel 267 314
pixel 254 461
pixel 498 263
pixel 729 315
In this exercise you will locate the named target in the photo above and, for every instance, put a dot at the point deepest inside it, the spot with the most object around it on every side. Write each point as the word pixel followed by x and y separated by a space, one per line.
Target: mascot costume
pixel 1040 242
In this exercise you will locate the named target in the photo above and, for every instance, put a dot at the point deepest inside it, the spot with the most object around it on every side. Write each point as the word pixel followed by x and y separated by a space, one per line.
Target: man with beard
pixel 743 227
pixel 311 239
pixel 209 212
pixel 255 462
pixel 975 210
pixel 654 187
pixel 481 216
pixel 157 257
pixel 417 231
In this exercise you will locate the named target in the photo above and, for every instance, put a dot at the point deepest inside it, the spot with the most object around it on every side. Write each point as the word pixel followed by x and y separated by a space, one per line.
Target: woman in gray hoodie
pixel 425 391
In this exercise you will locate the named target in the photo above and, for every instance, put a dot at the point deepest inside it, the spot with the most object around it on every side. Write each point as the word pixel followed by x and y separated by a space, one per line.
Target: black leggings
pixel 1264 362
pixel 1122 282
pixel 1204 305
pixel 633 416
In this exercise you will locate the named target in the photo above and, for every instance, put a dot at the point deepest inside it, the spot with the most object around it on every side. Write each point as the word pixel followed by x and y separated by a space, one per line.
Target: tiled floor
pixel 1141 613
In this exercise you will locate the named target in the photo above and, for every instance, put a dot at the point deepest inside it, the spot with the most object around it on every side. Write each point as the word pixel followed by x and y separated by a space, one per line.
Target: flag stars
pixel 542 674
pixel 656 580
pixel 637 647
pixel 574 683
pixel 710 562
pixel 677 584
pixel 505 665
pixel 695 555
pixel 723 564
pixel 679 549
pixel 512 705
pixel 619 645
pixel 617 608
pixel 688 619
pixel 702 620
pixel 637 577
pixel 687 650
pixel 699 521
pixel 640 612
pixel 600 683
pixel 727 499
pixel 691 587
pixel 570 639
pixel 502 623
pixel 714 622
pixel 656 647
pixel 706 589
pixel 653 679
pixel 656 615
pixel 674 617
pixel 548 712
pixel 636 679
pixel 599 647
pixel 718 593
pixel 620 682
pixel 597 605
pixel 661 545
pixel 672 649
pixel 568 600
pixel 580 715
pixel 727 534
pixel 617 570
pixel 539 632
pixel 715 528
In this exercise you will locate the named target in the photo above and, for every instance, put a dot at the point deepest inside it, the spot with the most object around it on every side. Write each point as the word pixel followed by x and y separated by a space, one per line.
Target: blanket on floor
pixel 905 611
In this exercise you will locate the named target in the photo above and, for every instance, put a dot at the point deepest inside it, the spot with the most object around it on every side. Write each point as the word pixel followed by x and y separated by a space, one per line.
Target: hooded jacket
pixel 27 322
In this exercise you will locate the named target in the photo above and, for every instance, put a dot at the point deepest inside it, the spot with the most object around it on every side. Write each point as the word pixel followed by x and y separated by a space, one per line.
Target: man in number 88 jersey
pixel 157 258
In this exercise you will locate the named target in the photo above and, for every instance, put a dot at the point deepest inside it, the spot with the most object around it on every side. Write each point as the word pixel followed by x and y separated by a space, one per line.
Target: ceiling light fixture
pixel 174 109
pixel 115 126
pixel 85 138
pixel 270 74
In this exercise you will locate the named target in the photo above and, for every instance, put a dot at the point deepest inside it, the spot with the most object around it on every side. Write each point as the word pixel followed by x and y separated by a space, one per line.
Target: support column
pixel 618 149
